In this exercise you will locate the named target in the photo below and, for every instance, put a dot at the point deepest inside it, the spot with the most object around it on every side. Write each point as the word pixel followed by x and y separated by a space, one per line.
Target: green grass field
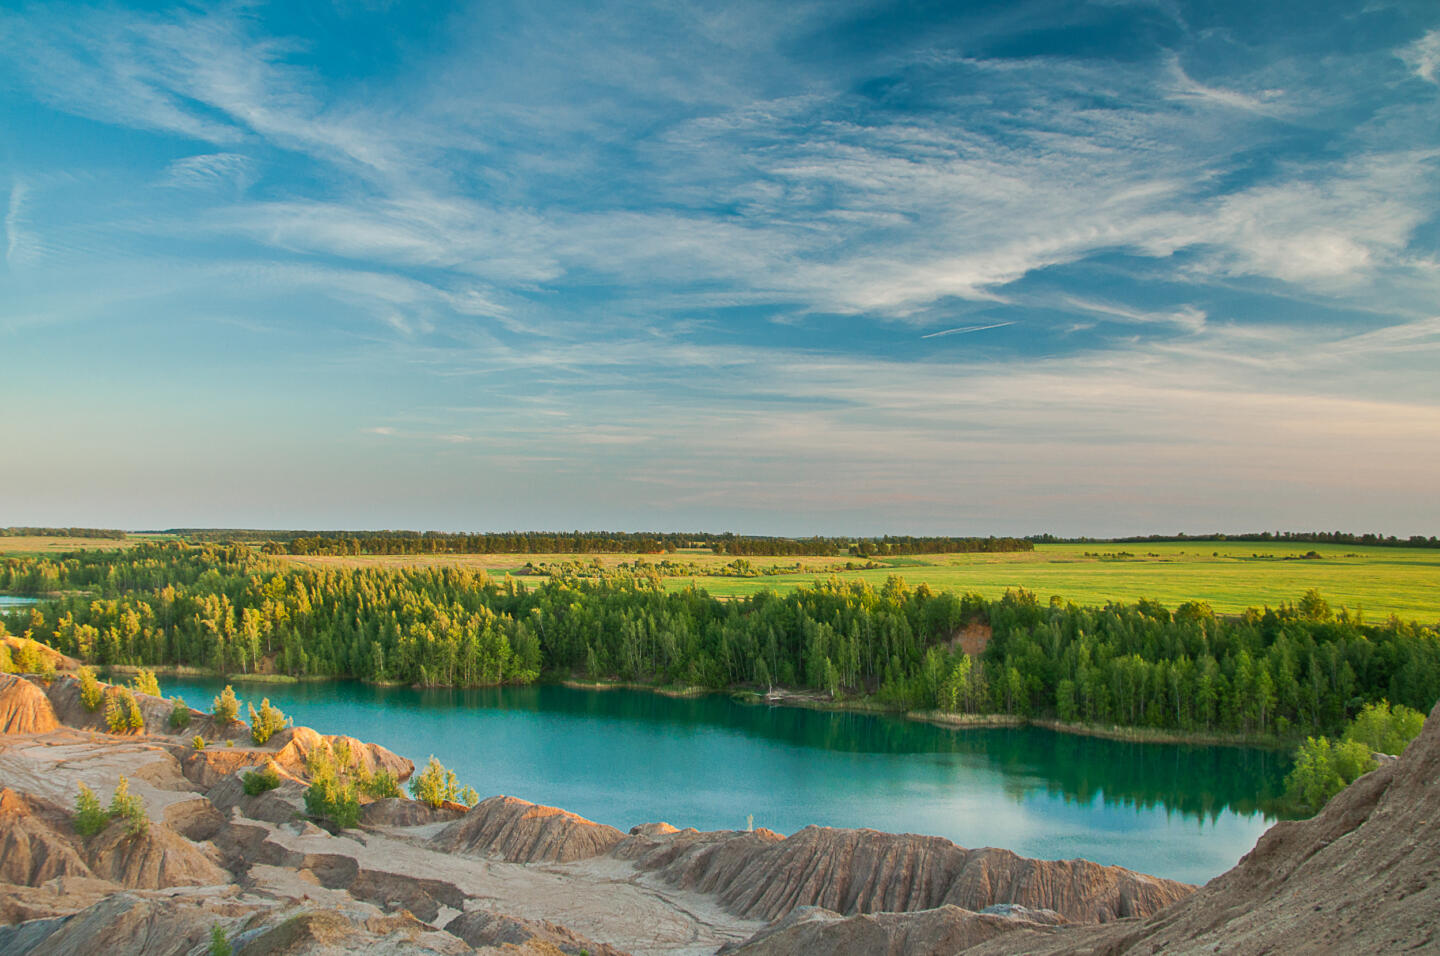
pixel 1231 577
pixel 22 546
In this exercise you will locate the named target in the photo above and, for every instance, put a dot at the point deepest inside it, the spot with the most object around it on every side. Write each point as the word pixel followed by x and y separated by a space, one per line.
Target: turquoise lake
pixel 629 757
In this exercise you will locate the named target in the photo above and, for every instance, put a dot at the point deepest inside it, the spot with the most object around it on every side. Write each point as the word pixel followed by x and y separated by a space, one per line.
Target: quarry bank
pixel 509 873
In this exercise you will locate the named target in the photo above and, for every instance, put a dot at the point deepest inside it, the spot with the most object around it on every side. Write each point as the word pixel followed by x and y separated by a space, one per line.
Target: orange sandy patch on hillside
pixel 972 638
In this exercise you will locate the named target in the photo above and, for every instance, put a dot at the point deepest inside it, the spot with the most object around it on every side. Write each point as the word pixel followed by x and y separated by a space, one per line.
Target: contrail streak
pixel 967 328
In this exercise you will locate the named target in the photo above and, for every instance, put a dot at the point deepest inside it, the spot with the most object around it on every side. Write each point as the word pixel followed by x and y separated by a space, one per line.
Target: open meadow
pixel 1231 576
pixel 28 546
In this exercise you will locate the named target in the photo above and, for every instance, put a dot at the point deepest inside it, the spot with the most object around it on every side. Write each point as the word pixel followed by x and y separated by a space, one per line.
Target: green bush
pixel 320 761
pixel 265 722
pixel 257 782
pixel 30 658
pixel 122 712
pixel 179 713
pixel 227 708
pixel 436 785
pixel 331 796
pixel 332 799
pixel 90 818
pixel 219 945
pixel 1385 729
pixel 91 693
pixel 144 682
pixel 382 784
pixel 1324 767
pixel 197 742
pixel 124 806
pixel 116 717
pixel 129 809
pixel 344 760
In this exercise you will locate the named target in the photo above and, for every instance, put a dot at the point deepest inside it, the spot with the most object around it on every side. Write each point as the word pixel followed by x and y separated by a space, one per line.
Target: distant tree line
pixel 1284 537
pixel 906 544
pixel 588 542
pixel 61 533
pixel 509 542
pixel 1271 672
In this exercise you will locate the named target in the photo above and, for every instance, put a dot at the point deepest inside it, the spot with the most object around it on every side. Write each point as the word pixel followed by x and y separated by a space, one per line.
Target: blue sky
pixel 791 268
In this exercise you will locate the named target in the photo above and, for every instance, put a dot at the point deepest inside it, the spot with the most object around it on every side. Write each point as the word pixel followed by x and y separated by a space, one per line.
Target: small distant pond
pixel 626 757
pixel 9 602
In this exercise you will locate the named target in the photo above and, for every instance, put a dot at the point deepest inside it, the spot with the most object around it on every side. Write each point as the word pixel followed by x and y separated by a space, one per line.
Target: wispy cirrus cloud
pixel 1189 318
pixel 210 171
pixel 204 76
pixel 1423 56
pixel 869 214
pixel 15 221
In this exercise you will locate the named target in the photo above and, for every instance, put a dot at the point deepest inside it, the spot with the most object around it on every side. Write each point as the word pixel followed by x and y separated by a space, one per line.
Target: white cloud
pixel 210 171
pixel 867 214
pixel 1188 88
pixel 808 434
pixel 1189 318
pixel 196 75
pixel 1423 56
pixel 15 223
pixel 1407 338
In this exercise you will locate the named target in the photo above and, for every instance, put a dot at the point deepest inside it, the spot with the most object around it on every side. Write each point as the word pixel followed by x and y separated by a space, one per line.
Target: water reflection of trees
pixel 1196 781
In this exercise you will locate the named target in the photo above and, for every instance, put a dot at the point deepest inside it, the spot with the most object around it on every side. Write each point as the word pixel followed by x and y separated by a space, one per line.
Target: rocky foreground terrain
pixel 508 876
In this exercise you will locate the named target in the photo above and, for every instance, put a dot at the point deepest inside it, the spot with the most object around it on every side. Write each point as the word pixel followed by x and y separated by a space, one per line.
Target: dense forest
pixel 1300 668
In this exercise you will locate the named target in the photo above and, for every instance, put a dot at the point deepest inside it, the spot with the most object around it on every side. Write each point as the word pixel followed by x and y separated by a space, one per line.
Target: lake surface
pixel 9 602
pixel 629 757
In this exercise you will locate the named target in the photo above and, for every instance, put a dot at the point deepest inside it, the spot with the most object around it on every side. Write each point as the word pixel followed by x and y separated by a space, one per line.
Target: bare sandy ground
pixel 606 899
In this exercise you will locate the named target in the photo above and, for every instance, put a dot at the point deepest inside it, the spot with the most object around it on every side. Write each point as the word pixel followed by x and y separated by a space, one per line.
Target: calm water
pixel 628 757
pixel 9 602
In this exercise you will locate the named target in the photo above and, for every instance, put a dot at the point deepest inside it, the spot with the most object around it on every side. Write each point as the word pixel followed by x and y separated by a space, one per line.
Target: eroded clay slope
pixel 524 832
pixel 24 708
pixel 943 930
pixel 38 842
pixel 763 875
